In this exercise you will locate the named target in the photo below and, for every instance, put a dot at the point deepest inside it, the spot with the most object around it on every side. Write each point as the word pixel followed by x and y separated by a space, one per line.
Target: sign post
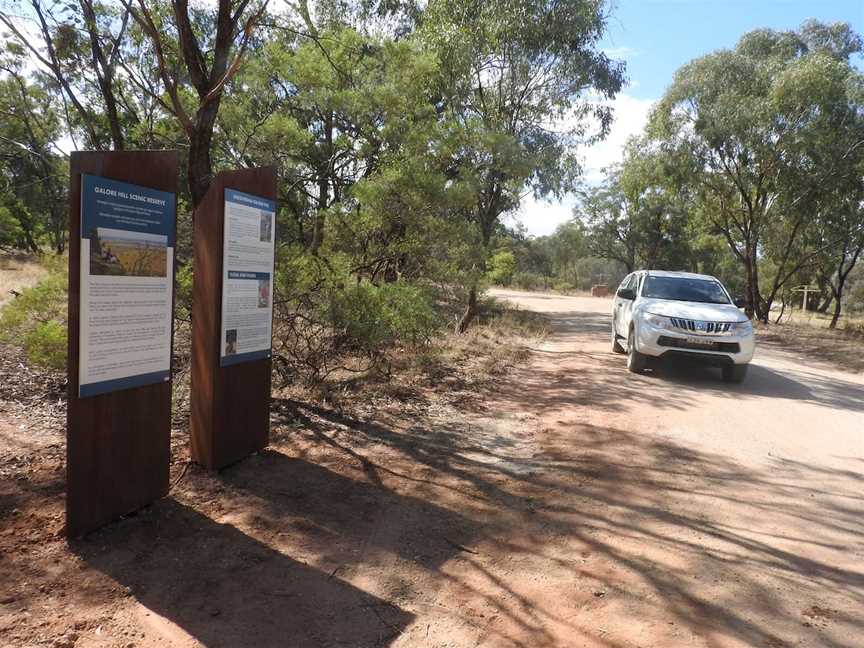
pixel 122 227
pixel 232 316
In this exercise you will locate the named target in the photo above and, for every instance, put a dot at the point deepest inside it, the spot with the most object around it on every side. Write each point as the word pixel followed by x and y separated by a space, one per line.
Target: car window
pixel 706 291
pixel 626 282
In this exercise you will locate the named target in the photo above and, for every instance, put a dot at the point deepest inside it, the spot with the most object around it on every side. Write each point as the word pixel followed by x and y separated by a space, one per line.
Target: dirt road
pixel 576 506
pixel 706 514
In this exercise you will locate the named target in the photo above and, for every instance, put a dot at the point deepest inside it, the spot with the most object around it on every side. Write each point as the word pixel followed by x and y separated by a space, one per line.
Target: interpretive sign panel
pixel 127 272
pixel 122 215
pixel 232 309
pixel 247 278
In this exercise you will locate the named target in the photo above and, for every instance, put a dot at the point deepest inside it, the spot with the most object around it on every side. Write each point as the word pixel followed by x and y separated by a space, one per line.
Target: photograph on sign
pixel 247 278
pixel 127 271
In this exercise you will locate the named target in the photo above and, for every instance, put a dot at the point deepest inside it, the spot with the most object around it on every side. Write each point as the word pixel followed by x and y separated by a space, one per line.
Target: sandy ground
pixel 577 505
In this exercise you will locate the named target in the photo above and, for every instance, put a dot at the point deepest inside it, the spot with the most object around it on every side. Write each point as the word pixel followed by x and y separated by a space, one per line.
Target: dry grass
pixel 853 323
pixel 842 347
pixel 18 271
pixel 454 367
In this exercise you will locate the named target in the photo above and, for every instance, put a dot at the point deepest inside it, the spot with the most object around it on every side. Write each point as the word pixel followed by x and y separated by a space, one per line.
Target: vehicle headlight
pixel 657 321
pixel 742 328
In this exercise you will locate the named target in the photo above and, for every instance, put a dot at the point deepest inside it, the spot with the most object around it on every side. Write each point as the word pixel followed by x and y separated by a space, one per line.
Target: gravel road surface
pixel 710 514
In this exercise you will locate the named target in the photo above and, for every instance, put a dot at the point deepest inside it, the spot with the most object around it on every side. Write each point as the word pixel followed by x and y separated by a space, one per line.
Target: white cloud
pixel 631 115
pixel 623 52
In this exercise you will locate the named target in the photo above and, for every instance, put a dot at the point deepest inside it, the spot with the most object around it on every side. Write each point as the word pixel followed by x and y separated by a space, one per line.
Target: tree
pixel 638 216
pixel 763 132
pixel 78 46
pixel 510 69
pixel 212 46
pixel 32 169
pixel 841 243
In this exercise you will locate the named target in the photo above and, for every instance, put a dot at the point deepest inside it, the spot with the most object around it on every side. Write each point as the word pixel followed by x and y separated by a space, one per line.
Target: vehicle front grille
pixel 681 343
pixel 702 328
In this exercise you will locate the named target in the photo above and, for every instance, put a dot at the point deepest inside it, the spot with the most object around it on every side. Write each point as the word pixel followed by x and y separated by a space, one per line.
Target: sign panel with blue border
pixel 247 278
pixel 127 285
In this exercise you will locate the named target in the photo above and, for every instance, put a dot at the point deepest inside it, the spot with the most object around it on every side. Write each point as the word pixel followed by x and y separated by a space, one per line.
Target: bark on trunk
pixel 323 186
pixel 200 164
pixel 837 309
pixel 470 311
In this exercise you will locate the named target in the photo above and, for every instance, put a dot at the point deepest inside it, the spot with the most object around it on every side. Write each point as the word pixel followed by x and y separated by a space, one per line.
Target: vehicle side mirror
pixel 627 293
pixel 739 302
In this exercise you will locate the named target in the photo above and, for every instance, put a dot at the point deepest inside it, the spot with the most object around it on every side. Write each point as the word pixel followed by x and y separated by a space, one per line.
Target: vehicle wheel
pixel 636 362
pixel 616 344
pixel 734 373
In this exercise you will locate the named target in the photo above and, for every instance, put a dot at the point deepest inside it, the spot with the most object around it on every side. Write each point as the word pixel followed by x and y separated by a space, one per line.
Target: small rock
pixel 214 612
pixel 599 594
pixel 66 641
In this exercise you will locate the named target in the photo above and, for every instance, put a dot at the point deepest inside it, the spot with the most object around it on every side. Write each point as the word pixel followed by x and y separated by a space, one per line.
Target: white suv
pixel 681 315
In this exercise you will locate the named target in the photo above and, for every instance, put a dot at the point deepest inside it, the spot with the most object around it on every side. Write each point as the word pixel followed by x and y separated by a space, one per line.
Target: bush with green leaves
pixel 327 319
pixel 36 319
pixel 502 267
pixel 529 281
pixel 372 317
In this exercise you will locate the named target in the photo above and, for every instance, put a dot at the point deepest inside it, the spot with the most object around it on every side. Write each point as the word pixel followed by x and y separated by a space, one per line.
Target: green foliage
pixel 502 267
pixel 45 344
pixel 529 281
pixel 372 318
pixel 36 320
pixel 11 232
pixel 183 292
pixel 765 139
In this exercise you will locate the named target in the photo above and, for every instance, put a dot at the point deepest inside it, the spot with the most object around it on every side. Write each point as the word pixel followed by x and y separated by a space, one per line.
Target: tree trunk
pixel 782 310
pixel 750 294
pixel 826 303
pixel 837 308
pixel 323 186
pixel 200 164
pixel 470 311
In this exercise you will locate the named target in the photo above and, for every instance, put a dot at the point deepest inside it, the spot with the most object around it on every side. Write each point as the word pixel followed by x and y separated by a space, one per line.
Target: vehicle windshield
pixel 684 289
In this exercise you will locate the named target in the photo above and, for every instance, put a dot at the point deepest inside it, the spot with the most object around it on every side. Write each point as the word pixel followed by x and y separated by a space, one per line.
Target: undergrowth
pixel 36 319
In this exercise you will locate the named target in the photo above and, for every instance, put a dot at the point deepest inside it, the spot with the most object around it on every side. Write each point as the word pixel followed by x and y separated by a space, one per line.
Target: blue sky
pixel 655 38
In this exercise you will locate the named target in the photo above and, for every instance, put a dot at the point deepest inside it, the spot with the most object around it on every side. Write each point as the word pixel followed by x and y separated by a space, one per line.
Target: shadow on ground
pixel 637 505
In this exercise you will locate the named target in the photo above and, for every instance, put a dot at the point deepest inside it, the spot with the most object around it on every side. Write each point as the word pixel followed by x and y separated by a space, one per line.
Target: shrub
pixel 372 317
pixel 46 344
pixel 529 281
pixel 502 267
pixel 36 319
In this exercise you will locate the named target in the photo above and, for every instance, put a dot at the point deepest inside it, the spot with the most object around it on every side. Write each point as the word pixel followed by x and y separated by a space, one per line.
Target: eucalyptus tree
pixel 77 44
pixel 765 131
pixel 839 234
pixel 32 168
pixel 522 81
pixel 196 50
pixel 638 216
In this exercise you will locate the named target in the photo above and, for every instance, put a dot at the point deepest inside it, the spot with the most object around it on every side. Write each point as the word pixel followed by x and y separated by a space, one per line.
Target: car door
pixel 627 305
pixel 619 309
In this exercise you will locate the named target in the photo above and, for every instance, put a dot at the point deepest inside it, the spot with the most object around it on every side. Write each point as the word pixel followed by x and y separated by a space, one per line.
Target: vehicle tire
pixel 616 344
pixel 734 373
pixel 636 362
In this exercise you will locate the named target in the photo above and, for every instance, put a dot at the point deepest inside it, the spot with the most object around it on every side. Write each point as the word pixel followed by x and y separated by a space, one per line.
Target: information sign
pixel 247 278
pixel 127 279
